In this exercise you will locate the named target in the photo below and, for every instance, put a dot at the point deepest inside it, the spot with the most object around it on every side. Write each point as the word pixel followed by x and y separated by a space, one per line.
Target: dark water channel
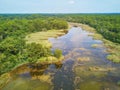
pixel 85 67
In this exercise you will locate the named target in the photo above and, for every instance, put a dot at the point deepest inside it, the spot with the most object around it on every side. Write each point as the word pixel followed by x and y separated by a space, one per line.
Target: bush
pixel 37 50
pixel 58 53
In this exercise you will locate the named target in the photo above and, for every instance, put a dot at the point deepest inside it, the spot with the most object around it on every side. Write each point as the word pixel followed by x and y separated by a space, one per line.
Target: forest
pixel 13 47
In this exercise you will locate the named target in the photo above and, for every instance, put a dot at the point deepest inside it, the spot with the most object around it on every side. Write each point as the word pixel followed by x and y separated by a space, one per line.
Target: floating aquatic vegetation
pixel 83 59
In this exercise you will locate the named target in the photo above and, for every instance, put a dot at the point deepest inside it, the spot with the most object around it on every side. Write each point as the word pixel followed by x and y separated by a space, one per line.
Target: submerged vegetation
pixel 104 27
pixel 112 48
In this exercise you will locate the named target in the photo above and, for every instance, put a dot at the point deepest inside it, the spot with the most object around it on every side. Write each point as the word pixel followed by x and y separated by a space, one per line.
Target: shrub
pixel 58 53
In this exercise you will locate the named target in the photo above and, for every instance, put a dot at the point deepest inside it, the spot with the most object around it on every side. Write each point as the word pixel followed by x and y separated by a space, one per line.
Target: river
pixel 84 67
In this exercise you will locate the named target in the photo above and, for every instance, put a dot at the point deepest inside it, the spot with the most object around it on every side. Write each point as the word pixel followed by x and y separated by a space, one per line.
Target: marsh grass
pixel 82 59
pixel 20 84
pixel 42 38
pixel 4 79
pixel 49 59
pixel 94 45
pixel 112 48
pixel 90 71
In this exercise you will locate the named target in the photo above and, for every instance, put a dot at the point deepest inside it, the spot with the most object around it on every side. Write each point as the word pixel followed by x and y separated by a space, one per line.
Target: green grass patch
pixel 42 37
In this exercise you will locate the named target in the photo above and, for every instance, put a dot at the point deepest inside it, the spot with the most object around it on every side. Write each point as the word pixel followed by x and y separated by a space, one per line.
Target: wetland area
pixel 84 67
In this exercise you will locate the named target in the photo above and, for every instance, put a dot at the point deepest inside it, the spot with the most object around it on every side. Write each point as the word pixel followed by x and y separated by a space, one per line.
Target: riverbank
pixel 42 38
pixel 112 48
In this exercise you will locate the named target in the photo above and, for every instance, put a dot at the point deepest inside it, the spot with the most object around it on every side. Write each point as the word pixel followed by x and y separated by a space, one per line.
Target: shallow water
pixel 84 67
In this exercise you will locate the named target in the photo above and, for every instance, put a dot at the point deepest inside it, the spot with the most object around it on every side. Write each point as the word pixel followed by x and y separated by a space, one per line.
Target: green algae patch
pixel 92 85
pixel 86 72
pixel 21 84
pixel 4 79
pixel 82 59
pixel 118 83
pixel 97 85
pixel 36 79
pixel 92 70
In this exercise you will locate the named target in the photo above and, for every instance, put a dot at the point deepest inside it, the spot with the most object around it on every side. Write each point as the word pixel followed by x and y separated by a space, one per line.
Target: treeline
pixel 106 24
pixel 14 28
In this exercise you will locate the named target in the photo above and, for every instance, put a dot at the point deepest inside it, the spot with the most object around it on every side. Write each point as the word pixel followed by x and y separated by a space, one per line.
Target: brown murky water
pixel 84 67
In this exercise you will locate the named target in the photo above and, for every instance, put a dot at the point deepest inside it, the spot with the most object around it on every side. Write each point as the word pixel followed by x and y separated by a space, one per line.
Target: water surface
pixel 84 67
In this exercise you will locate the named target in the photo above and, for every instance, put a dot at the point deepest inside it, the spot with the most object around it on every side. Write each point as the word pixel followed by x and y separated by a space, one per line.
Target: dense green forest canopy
pixel 14 28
